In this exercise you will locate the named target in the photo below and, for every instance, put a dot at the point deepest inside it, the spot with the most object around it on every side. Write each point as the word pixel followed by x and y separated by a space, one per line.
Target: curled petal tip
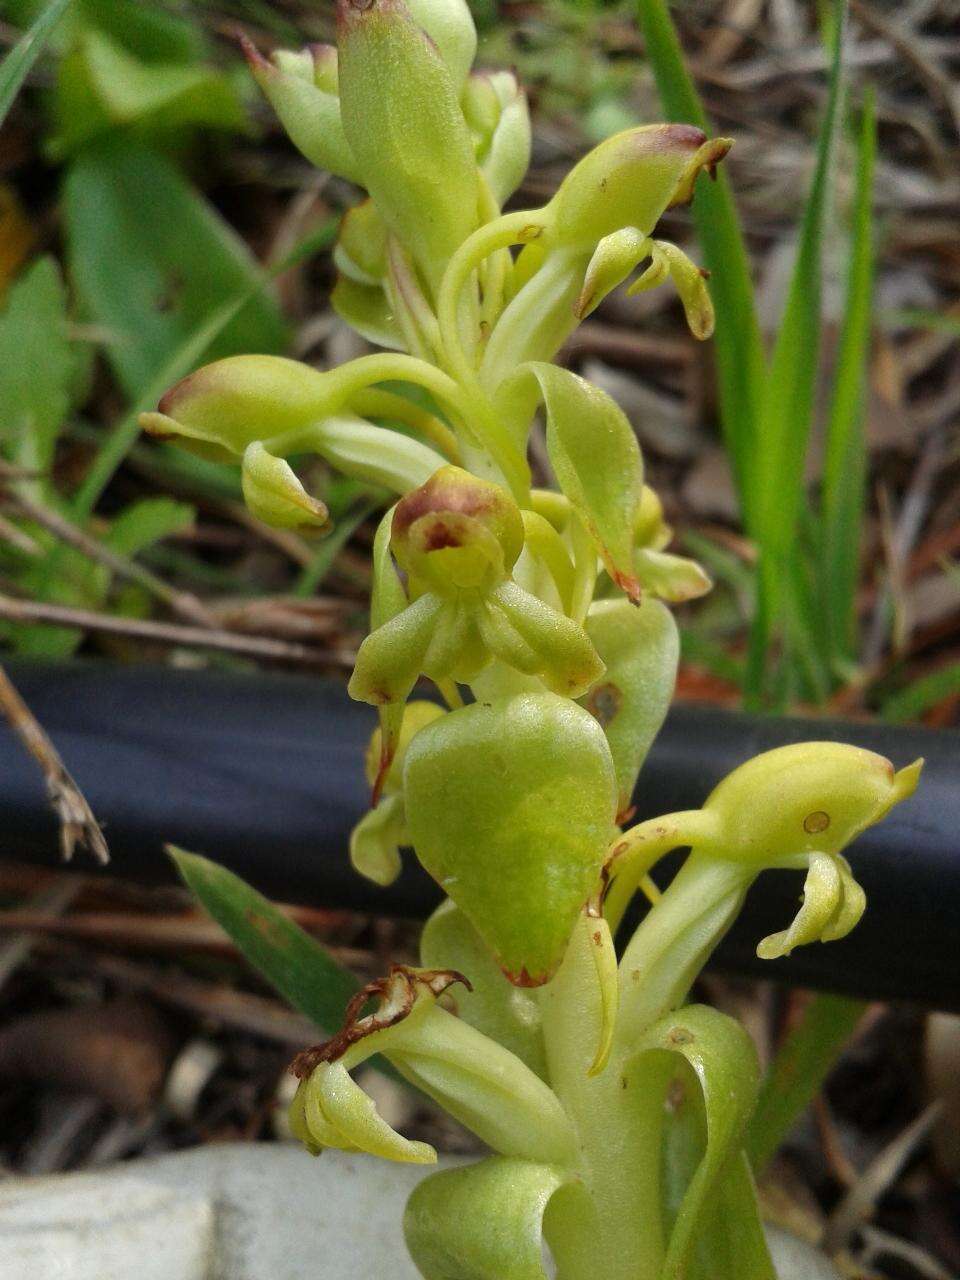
pixel 905 780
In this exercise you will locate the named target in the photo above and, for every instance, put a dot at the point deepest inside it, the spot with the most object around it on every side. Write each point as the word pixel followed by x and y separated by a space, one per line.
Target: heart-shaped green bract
pixel 511 809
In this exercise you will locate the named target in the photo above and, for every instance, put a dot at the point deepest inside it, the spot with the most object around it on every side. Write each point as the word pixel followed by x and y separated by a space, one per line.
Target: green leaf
pixel 37 367
pixel 100 86
pixel 150 260
pixel 844 472
pixel 484 1222
pixel 799 1070
pixel 639 647
pixel 297 966
pixel 510 808
pixel 739 348
pixel 723 1064
pixel 504 1013
pixel 144 523
pixel 910 703
pixel 17 64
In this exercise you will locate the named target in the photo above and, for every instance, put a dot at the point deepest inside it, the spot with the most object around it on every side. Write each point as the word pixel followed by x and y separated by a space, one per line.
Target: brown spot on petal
pixel 680 1035
pixel 816 822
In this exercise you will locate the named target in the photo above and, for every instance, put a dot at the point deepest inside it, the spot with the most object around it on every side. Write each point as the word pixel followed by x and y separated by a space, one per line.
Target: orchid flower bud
pixel 222 408
pixel 457 532
pixel 402 119
pixel 472 1077
pixel 506 157
pixel 518 841
pixel 626 181
pixel 225 406
pixel 274 495
pixel 449 24
pixel 299 91
pixel 804 798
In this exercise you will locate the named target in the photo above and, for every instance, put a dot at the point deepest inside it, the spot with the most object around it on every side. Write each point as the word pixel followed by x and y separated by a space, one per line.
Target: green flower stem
pixel 618 1117
pixel 674 939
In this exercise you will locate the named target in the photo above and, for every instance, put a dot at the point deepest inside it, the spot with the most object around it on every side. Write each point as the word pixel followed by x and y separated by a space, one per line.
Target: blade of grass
pixel 910 703
pixel 844 474
pixel 17 64
pixel 328 550
pixel 786 407
pixel 798 1072
pixel 293 962
pixel 739 348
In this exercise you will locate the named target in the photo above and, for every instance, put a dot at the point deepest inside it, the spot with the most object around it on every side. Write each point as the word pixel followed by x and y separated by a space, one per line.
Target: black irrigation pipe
pixel 263 773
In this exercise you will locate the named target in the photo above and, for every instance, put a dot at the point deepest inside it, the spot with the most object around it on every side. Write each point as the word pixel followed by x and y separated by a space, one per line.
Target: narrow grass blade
pixel 303 972
pixel 739 349
pixel 910 703
pixel 798 1072
pixel 328 550
pixel 844 474
pixel 786 407
pixel 17 64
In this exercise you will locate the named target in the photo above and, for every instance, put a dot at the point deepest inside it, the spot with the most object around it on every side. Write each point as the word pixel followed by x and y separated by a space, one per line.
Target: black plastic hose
pixel 264 774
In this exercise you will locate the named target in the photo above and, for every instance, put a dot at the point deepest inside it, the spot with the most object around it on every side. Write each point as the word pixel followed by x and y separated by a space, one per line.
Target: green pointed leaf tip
pixel 510 808
pixel 299 968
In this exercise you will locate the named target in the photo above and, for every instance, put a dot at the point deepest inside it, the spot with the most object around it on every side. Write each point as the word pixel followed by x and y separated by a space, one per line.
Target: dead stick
pixel 183 603
pixel 56 615
pixel 77 823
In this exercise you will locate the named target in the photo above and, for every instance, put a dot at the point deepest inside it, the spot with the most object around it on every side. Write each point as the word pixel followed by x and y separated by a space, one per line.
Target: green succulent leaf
pixel 501 1011
pixel 510 808
pixel 484 1222
pixel 640 648
pixel 723 1067
pixel 595 456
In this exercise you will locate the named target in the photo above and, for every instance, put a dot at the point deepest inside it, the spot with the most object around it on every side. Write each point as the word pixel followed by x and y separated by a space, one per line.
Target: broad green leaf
pixel 799 1070
pixel 17 64
pixel 38 366
pixel 150 260
pixel 639 647
pixel 502 1012
pixel 740 358
pixel 510 808
pixel 147 522
pixel 844 473
pixel 723 1063
pixel 297 966
pixel 122 436
pixel 484 1222
pixel 100 86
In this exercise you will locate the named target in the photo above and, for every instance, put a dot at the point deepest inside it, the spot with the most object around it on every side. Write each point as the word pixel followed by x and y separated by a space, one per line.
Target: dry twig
pixel 77 823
